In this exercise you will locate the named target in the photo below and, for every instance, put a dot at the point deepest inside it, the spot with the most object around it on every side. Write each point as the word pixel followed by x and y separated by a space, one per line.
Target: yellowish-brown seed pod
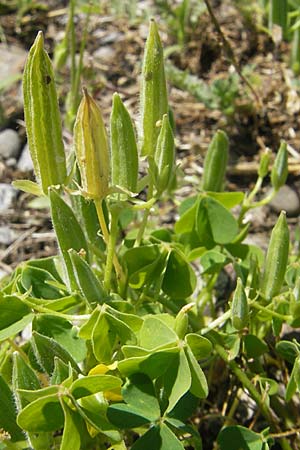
pixel 91 147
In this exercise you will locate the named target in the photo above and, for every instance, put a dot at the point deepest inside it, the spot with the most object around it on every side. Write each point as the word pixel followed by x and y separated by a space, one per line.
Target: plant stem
pixel 145 217
pixel 110 251
pixel 102 221
pixel 18 349
pixel 216 322
pixel 246 383
pixel 109 240
pixel 272 313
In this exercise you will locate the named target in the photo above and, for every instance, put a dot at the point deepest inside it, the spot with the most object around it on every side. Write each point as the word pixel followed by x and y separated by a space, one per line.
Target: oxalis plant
pixel 118 341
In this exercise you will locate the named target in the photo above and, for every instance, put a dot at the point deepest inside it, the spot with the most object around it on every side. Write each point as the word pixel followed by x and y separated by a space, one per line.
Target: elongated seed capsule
pixel 182 320
pixel 215 163
pixel 279 171
pixel 91 147
pixel 68 233
pixel 264 163
pixel 276 259
pixel 239 307
pixel 165 155
pixel 123 147
pixel 154 100
pixel 278 14
pixel 42 117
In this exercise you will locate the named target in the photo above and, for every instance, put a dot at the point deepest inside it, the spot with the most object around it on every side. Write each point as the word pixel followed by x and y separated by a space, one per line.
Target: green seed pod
pixel 154 100
pixel 123 147
pixel 279 171
pixel 264 163
pixel 165 155
pixel 68 233
pixel 42 117
pixel 276 259
pixel 182 320
pixel 278 14
pixel 88 283
pixel 239 307
pixel 91 147
pixel 215 163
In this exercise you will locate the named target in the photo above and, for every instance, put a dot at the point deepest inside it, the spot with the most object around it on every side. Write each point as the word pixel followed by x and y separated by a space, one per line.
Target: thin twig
pixel 230 53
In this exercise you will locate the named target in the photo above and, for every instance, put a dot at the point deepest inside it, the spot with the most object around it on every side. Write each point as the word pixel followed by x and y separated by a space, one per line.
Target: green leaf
pixel 28 186
pixel 287 350
pixel 254 347
pixel 239 438
pixel 179 280
pixel 155 333
pixel 89 285
pixel 60 372
pixel 140 263
pixel 153 365
pixel 63 332
pixel 94 383
pixel 95 408
pixel 86 329
pixel 134 322
pixel 30 395
pixel 200 346
pixel 177 379
pixel 138 392
pixel 38 282
pixel 43 414
pixel 158 437
pixel 103 339
pixel 185 408
pixel 14 317
pixel 124 416
pixel 294 381
pixel 71 436
pixel 23 377
pixel 8 412
pixel 186 222
pixel 213 261
pixel 45 349
pixel 227 199
pixel 199 384
pixel 68 232
pixel 223 225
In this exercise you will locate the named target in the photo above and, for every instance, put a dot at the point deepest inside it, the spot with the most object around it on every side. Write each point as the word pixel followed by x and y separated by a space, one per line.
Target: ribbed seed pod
pixel 154 100
pixel 264 163
pixel 68 233
pixel 279 171
pixel 123 147
pixel 276 259
pixel 239 307
pixel 165 155
pixel 42 117
pixel 215 163
pixel 91 147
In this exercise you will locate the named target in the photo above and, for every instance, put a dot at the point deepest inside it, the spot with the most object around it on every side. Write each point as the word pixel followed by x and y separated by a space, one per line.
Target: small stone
pixel 11 162
pixel 25 163
pixel 7 196
pixel 7 235
pixel 105 54
pixel 288 200
pixel 10 144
